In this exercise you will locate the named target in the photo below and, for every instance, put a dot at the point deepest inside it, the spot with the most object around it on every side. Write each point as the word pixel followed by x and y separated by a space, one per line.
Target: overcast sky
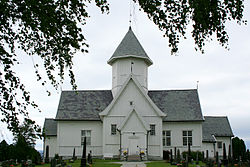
pixel 224 76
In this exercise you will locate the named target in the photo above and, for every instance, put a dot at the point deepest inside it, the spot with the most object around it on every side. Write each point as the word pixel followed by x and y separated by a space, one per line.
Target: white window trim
pixel 187 130
pixel 86 137
pixel 113 134
pixel 154 130
pixel 166 138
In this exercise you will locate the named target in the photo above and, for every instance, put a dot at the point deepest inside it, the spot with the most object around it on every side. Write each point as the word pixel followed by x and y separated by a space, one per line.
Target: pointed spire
pixel 130 47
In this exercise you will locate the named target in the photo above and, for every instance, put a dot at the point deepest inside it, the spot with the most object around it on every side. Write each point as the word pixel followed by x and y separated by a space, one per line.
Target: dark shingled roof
pixel 50 127
pixel 83 105
pixel 130 47
pixel 217 126
pixel 179 105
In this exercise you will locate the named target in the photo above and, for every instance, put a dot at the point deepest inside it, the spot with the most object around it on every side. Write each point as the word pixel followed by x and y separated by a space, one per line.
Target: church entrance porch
pixel 133 144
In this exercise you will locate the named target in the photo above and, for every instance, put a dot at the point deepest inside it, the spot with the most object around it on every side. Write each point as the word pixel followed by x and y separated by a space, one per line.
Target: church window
pixel 87 134
pixel 166 137
pixel 113 129
pixel 219 144
pixel 187 137
pixel 152 130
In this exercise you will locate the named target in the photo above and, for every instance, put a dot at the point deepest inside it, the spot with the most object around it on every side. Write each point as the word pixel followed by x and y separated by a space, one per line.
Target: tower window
pixel 131 103
pixel 113 129
pixel 152 129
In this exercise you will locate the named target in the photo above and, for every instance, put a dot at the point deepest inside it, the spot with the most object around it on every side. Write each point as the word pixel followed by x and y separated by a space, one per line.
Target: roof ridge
pixel 49 118
pixel 86 90
pixel 172 90
pixel 220 116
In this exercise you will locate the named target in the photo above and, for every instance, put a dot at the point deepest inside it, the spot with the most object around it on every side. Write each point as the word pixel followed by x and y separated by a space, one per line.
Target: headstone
pixel 178 156
pixel 207 155
pixel 74 154
pixel 229 154
pixel 197 158
pixel 225 162
pixel 189 152
pixel 171 156
pixel 83 159
pixel 90 157
pixel 47 155
pixel 53 163
pixel 175 153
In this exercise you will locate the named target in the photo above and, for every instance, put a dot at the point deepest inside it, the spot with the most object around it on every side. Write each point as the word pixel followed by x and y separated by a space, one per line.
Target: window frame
pixel 187 137
pixel 219 144
pixel 152 129
pixel 113 129
pixel 166 137
pixel 87 134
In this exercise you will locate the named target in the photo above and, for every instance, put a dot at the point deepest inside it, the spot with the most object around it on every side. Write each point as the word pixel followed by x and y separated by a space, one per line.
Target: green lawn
pixel 96 163
pixel 165 164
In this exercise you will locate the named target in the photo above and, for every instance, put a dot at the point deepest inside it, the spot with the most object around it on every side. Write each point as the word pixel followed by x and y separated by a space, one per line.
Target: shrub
pixel 193 155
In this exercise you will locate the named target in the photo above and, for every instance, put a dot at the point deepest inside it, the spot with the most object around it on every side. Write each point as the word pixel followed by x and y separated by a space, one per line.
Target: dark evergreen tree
pixel 4 155
pixel 239 148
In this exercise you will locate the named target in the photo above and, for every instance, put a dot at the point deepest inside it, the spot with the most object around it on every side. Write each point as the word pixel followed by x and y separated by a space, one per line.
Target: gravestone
pixel 47 155
pixel 83 159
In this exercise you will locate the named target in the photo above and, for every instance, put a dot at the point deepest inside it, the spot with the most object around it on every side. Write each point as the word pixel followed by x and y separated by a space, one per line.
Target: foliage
pixel 52 30
pixel 27 131
pixel 49 29
pixel 4 155
pixel 207 18
pixel 193 155
pixel 239 148
pixel 165 164
pixel 21 150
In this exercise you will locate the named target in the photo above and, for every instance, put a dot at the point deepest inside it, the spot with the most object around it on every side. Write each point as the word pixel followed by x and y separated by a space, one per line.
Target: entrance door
pixel 133 147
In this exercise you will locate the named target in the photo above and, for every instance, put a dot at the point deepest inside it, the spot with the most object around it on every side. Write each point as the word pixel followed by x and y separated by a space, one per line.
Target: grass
pixel 165 164
pixel 96 163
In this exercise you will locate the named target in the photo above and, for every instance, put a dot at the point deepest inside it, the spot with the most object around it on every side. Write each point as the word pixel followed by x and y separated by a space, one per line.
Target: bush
pixel 193 155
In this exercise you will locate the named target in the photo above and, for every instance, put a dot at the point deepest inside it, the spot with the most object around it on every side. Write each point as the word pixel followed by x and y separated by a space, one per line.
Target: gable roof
pixel 141 90
pixel 217 126
pixel 146 126
pixel 83 105
pixel 50 127
pixel 179 105
pixel 130 47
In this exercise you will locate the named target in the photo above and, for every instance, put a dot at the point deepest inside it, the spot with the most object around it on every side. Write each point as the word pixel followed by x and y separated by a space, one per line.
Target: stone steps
pixel 134 158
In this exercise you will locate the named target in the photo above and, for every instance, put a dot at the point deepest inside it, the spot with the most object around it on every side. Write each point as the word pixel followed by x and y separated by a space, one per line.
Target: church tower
pixel 129 58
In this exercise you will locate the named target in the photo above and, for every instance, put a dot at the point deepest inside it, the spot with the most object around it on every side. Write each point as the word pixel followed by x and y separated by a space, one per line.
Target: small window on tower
pixel 131 103
pixel 113 129
pixel 152 129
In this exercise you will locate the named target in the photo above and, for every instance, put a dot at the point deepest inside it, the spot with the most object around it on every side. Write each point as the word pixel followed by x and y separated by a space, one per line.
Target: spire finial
pixel 130 14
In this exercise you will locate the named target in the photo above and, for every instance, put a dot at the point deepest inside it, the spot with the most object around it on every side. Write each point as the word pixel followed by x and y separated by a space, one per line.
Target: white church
pixel 131 119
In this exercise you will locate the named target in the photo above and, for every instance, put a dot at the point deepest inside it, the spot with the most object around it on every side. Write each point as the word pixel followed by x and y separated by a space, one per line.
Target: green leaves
pixel 208 17
pixel 48 29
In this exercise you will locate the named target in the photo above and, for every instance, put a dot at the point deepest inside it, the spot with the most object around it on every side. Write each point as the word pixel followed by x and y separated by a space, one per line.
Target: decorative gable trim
pixel 133 78
pixel 146 126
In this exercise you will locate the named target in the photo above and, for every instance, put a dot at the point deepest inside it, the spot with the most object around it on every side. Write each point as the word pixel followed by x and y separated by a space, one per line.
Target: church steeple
pixel 130 47
pixel 129 57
